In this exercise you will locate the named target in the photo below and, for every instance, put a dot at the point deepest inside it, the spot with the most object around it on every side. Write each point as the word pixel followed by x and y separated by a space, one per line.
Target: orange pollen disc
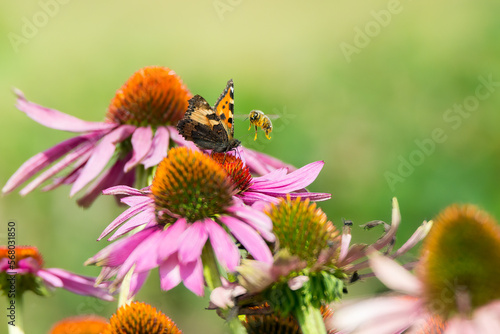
pixel 236 169
pixel 152 96
pixel 87 324
pixel 21 252
pixel 140 318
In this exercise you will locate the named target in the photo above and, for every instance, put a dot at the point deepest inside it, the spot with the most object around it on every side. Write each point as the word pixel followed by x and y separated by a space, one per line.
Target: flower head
pixel 189 203
pixel 86 324
pixel 139 123
pixel 140 318
pixel 452 291
pixel 21 268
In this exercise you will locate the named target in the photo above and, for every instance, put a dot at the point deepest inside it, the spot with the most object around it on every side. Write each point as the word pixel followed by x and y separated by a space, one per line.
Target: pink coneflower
pixel 455 290
pixel 25 264
pixel 190 202
pixel 273 185
pixel 136 132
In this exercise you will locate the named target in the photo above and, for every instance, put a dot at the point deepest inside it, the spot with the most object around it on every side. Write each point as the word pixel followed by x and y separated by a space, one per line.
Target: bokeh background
pixel 358 84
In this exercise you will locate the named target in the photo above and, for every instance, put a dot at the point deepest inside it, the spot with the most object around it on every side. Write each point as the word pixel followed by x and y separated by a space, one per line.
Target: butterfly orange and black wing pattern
pixel 210 128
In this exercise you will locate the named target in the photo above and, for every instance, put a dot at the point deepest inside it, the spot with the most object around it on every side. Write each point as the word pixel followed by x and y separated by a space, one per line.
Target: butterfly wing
pixel 202 125
pixel 224 108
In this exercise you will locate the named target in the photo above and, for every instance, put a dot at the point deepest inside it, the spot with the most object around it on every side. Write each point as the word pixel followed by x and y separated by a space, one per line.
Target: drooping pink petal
pixel 57 120
pixel 41 160
pixel 258 220
pixel 82 150
pixel 116 253
pixel 224 248
pixel 393 275
pixel 192 276
pixel 170 275
pixel 297 282
pixel 51 279
pixel 141 219
pixel 141 144
pixel 249 197
pixel 159 148
pixel 142 257
pixel 416 237
pixel 459 325
pixel 171 239
pixel 296 180
pixel 345 242
pixel 136 282
pixel 316 197
pixel 124 216
pixel 249 238
pixel 136 200
pixel 397 312
pixel 71 176
pixel 81 285
pixel 102 154
pixel 192 242
pixel 105 180
pixel 122 190
pixel 261 164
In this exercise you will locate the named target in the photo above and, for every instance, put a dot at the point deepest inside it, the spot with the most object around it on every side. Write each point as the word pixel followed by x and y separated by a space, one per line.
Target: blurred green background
pixel 359 84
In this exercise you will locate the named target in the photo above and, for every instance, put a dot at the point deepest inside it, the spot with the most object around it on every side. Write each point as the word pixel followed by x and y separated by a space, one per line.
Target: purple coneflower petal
pixel 192 276
pixel 159 148
pixel 487 318
pixel 192 242
pixel 81 285
pixel 397 313
pixel 298 179
pixel 136 200
pixel 317 197
pixel 124 216
pixel 136 283
pixel 142 139
pixel 57 120
pixel 122 190
pixel 141 219
pixel 105 180
pixel 344 243
pixel 41 160
pixel 171 239
pixel 225 250
pixel 261 164
pixel 249 238
pixel 51 279
pixel 249 197
pixel 460 326
pixel 102 154
pixel 116 253
pixel 141 256
pixel 82 150
pixel 170 274
pixel 258 220
pixel 393 275
pixel 416 237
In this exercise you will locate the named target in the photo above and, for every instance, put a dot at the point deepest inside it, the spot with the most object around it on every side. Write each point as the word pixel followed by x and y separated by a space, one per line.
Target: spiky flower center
pixel 87 324
pixel 18 253
pixel 189 184
pixel 236 169
pixel 140 318
pixel 302 228
pixel 461 261
pixel 152 96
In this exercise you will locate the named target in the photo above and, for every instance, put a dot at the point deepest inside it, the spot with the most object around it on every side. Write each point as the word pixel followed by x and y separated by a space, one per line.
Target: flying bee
pixel 259 119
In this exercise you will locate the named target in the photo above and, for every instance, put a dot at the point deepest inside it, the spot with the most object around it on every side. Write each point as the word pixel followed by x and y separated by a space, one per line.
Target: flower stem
pixel 210 267
pixel 310 320
pixel 18 326
pixel 125 289
pixel 211 272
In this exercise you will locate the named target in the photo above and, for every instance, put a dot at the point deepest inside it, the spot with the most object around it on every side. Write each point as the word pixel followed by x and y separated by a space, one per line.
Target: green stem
pixel 310 320
pixel 18 327
pixel 125 289
pixel 211 272
pixel 210 268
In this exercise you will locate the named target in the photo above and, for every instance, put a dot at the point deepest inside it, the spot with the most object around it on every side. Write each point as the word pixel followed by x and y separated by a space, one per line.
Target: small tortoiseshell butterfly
pixel 211 128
